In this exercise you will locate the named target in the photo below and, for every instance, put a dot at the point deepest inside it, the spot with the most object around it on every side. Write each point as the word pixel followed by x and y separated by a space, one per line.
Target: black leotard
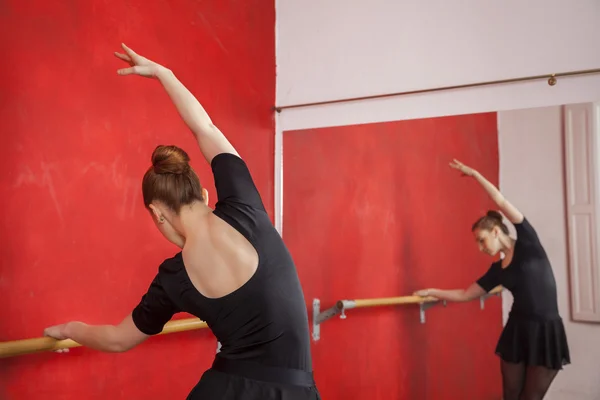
pixel 264 321
pixel 529 276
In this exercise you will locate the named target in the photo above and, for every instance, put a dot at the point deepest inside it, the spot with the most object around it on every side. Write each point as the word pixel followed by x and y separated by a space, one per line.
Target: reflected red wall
pixel 375 211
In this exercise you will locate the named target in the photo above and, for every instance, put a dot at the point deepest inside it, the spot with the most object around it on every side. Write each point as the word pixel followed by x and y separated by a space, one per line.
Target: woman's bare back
pixel 219 260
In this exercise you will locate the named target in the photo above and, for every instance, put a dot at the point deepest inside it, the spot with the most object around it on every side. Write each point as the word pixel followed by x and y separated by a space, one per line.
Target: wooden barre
pixel 42 344
pixel 390 301
pixel 341 306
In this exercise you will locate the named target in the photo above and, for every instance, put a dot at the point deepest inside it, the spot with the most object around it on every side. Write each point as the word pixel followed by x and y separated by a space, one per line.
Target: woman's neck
pixel 507 249
pixel 507 244
pixel 193 218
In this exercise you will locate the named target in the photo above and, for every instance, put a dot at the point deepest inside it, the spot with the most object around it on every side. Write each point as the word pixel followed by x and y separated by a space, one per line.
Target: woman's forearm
pixel 490 189
pixel 97 337
pixel 189 108
pixel 457 295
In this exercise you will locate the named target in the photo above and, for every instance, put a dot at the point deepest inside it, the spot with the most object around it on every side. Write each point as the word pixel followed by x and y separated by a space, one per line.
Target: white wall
pixel 532 177
pixel 338 49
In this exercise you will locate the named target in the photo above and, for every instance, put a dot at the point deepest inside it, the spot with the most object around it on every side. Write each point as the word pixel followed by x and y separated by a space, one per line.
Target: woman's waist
pixel 280 349
pixel 253 368
pixel 548 314
pixel 529 305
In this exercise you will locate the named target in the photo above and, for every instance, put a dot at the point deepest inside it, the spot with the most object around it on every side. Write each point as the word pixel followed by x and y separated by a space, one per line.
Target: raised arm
pixel 459 295
pixel 510 211
pixel 210 139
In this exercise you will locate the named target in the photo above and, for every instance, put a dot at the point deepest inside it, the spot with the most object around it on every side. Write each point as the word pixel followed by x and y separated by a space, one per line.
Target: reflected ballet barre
pixel 341 306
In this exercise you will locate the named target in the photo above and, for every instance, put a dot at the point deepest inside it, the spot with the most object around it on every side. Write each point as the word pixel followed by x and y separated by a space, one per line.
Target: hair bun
pixel 170 160
pixel 495 215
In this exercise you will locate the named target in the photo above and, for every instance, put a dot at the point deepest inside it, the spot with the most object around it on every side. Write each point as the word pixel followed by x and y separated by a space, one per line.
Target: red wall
pixel 77 242
pixel 375 211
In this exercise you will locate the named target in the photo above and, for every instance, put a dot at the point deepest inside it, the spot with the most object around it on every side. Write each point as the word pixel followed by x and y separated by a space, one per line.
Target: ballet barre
pixel 341 306
pixel 42 344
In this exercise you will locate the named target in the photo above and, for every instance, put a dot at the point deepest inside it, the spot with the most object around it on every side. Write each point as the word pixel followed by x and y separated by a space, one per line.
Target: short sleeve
pixel 491 278
pixel 154 310
pixel 526 234
pixel 234 182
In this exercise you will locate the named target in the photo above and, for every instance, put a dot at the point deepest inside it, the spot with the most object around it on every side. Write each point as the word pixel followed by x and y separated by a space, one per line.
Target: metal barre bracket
pixel 486 296
pixel 320 317
pixel 425 306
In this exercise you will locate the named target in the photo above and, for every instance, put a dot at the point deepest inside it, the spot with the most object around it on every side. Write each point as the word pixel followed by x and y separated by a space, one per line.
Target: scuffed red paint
pixel 77 242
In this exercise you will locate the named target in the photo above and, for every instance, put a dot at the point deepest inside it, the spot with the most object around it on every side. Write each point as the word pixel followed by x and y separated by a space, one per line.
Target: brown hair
pixel 170 179
pixel 489 221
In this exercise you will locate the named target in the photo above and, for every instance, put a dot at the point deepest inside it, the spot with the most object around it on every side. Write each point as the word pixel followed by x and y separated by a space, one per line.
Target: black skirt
pixel 239 380
pixel 534 342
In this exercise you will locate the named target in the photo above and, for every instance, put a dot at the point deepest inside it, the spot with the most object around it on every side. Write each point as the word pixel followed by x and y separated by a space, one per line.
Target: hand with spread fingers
pixel 466 171
pixel 139 65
